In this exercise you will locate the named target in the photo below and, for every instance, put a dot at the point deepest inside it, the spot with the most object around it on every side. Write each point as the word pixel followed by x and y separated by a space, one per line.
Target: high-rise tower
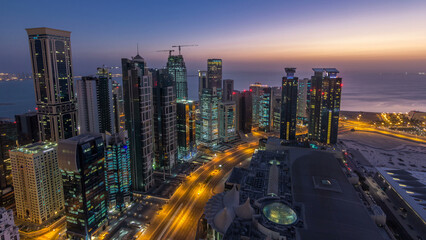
pixel 325 97
pixel 138 108
pixel 177 69
pixel 165 133
pixel 214 73
pixel 202 82
pixel 228 90
pixel 82 163
pixel 37 182
pixel 53 82
pixel 95 100
pixel 304 86
pixel 289 105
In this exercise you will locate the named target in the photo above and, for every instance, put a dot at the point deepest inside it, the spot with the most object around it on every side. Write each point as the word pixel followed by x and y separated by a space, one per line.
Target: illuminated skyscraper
pixel 202 82
pixel 95 103
pixel 37 182
pixel 82 163
pixel 302 98
pixel 214 73
pixel 118 107
pixel 325 97
pixel 176 67
pixel 187 147
pixel 138 108
pixel 117 170
pixel 227 121
pixel 289 105
pixel 165 139
pixel 53 81
pixel 256 90
pixel 276 93
pixel 8 137
pixel 209 117
pixel 265 109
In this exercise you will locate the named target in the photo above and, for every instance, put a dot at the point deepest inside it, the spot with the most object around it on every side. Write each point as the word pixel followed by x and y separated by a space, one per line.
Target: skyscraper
pixel 276 93
pixel 27 126
pixel 118 178
pixel 202 82
pixel 8 137
pixel 227 121
pixel 165 134
pixel 37 182
pixel 325 97
pixel 228 90
pixel 118 107
pixel 244 111
pixel 209 117
pixel 289 105
pixel 265 109
pixel 95 112
pixel 186 129
pixel 82 163
pixel 176 67
pixel 53 81
pixel 214 73
pixel 257 92
pixel 302 98
pixel 138 108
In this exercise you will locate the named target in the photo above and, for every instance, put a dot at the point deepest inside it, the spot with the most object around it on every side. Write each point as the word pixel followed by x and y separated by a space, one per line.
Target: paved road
pixel 179 218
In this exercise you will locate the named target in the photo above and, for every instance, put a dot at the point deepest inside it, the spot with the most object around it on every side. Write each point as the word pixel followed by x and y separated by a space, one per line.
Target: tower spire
pixel 137 48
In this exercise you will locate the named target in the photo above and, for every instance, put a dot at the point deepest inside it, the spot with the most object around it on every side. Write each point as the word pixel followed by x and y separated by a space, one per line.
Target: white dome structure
pixel 231 198
pixel 244 211
pixel 223 220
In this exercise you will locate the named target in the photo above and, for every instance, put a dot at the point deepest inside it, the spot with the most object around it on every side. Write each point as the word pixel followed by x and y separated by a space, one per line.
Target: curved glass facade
pixel 279 213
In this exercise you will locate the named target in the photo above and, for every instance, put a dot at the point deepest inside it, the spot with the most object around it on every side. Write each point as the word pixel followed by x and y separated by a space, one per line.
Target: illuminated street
pixel 178 219
pixel 362 126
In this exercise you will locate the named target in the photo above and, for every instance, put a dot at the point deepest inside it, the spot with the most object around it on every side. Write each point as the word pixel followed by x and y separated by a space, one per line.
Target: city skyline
pixel 364 38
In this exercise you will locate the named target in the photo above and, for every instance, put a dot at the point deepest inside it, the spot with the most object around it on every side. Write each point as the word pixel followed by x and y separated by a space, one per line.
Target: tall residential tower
pixel 53 82
pixel 177 69
pixel 138 108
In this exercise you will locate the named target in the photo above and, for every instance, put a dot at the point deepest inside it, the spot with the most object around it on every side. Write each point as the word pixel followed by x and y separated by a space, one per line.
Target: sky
pixel 250 36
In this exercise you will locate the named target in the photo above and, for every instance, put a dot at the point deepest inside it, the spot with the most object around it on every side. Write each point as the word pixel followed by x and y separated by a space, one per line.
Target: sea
pixel 367 92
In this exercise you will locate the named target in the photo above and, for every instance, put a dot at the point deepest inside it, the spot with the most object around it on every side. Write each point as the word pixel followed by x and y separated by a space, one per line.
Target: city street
pixel 178 219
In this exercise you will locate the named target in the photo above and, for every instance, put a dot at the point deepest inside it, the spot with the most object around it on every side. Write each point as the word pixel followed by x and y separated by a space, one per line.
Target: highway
pixel 362 126
pixel 179 218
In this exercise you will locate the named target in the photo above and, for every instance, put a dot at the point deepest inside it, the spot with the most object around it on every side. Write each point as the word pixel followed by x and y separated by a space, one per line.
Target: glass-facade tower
pixel 82 163
pixel 289 105
pixel 324 109
pixel 177 69
pixel 50 51
pixel 186 120
pixel 165 139
pixel 138 108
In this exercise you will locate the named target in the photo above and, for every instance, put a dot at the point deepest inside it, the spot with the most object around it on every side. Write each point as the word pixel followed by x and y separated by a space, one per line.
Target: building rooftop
pixel 36 147
pixel 48 31
pixel 296 193
pixel 410 185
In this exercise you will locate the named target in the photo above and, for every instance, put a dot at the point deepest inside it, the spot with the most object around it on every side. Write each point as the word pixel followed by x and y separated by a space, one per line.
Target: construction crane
pixel 180 46
pixel 167 50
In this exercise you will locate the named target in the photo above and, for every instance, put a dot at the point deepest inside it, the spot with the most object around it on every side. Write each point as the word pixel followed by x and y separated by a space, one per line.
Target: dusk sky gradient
pixel 250 36
pixel 379 46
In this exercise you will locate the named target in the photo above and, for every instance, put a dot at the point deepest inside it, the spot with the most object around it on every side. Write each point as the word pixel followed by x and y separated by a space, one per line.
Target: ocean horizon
pixel 367 92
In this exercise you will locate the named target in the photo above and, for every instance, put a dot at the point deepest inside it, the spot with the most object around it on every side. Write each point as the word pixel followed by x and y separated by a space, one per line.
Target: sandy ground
pixel 385 151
